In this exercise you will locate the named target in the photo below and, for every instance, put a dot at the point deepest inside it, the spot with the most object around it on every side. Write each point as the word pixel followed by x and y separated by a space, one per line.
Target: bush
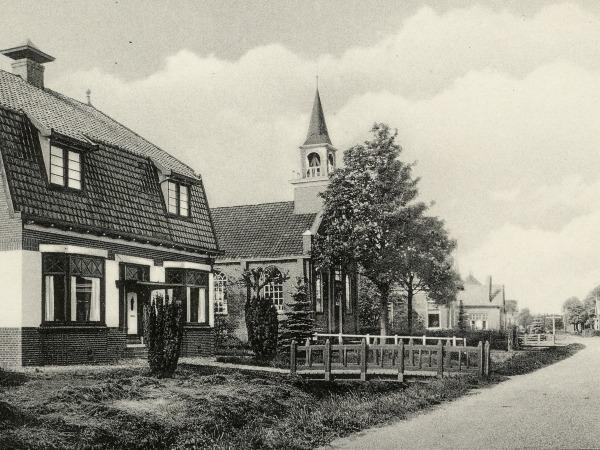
pixel 163 332
pixel 299 324
pixel 262 324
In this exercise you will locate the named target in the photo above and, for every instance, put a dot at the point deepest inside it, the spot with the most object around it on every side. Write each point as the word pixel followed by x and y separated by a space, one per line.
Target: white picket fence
pixel 395 339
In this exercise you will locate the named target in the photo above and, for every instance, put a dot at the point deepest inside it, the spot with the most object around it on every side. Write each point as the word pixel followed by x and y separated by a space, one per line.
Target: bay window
pixel 73 288
pixel 193 294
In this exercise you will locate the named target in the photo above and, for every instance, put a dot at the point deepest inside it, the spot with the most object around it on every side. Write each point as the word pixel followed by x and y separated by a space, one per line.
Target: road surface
pixel 554 407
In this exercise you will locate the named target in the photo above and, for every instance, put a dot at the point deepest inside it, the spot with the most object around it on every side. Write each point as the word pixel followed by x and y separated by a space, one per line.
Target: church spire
pixel 317 129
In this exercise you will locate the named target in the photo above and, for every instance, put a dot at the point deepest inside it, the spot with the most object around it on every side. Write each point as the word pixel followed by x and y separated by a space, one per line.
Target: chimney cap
pixel 27 50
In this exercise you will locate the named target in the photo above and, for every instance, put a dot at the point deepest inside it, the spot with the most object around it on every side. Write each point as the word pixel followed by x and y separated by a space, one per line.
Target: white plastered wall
pixel 112 293
pixel 11 269
pixel 31 288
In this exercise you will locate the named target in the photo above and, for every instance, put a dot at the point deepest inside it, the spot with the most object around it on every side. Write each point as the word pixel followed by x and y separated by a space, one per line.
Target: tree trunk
pixel 383 310
pixel 409 306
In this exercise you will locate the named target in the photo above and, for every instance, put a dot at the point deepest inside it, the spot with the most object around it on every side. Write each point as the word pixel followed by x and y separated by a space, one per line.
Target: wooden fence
pixel 384 359
pixel 377 339
pixel 537 340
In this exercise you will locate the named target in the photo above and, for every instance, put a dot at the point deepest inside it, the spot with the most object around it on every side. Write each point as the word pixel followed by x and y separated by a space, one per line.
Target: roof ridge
pixel 253 204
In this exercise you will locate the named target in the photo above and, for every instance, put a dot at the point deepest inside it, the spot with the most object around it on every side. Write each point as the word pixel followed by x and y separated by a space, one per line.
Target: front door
pixel 132 313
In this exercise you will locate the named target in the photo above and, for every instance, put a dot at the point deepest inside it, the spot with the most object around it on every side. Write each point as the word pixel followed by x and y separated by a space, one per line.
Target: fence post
pixel 293 357
pixel 440 361
pixel 368 339
pixel 464 342
pixel 308 353
pixel 424 340
pixel 395 339
pixel 340 340
pixel 327 360
pixel 401 365
pixel 509 344
pixel 487 358
pixel 454 341
pixel 363 360
pixel 480 357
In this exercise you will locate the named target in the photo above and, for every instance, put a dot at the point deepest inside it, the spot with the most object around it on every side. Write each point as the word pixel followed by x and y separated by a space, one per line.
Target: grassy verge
pixel 209 407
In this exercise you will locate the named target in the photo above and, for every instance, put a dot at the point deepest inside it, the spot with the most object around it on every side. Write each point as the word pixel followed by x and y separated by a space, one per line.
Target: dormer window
pixel 314 165
pixel 65 167
pixel 178 199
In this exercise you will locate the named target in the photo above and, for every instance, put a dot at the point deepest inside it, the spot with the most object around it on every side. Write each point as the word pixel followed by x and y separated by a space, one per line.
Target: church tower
pixel 317 161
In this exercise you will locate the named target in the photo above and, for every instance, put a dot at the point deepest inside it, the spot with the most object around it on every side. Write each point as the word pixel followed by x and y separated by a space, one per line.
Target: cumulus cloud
pixel 500 111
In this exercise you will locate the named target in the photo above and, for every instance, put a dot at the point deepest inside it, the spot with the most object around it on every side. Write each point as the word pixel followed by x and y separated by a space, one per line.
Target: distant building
pixel 484 306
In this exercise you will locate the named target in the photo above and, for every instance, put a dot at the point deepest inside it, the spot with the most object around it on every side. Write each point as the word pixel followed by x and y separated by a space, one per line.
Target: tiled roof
pixel 317 129
pixel 265 230
pixel 79 120
pixel 121 194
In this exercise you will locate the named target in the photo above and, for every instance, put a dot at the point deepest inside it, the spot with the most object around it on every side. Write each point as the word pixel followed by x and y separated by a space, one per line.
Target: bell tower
pixel 317 161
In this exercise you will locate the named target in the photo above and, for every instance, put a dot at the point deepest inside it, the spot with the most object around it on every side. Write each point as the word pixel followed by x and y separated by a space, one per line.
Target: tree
pixel 575 312
pixel 365 203
pixel 425 262
pixel 589 304
pixel 262 321
pixel 524 318
pixel 299 323
pixel 163 333
pixel 461 324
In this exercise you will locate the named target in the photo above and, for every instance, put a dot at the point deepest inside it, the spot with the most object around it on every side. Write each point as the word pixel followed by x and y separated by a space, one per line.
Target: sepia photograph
pixel 299 224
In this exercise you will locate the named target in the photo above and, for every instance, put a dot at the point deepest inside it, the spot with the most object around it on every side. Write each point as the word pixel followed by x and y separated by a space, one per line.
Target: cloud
pixel 499 110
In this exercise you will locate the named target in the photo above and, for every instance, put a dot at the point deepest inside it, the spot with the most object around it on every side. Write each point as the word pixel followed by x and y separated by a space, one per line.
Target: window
pixel 478 321
pixel 433 320
pixel 178 199
pixel 348 294
pixel 318 293
pixel 72 288
pixel 331 163
pixel 65 168
pixel 314 165
pixel 193 293
pixel 220 281
pixel 274 291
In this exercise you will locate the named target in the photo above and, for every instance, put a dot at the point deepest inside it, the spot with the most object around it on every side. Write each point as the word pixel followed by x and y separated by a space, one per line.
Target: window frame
pixel 66 168
pixel 313 171
pixel 277 288
pixel 68 274
pixel 220 286
pixel 187 276
pixel 177 199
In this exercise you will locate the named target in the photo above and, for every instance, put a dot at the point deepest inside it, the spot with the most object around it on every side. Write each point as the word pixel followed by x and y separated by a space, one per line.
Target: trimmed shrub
pixel 262 325
pixel 163 333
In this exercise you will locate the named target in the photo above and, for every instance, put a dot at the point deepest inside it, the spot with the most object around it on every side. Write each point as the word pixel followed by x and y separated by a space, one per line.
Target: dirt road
pixel 555 407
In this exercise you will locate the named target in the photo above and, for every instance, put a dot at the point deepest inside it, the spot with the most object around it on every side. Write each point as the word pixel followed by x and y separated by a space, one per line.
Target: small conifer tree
pixel 163 333
pixel 462 318
pixel 262 324
pixel 299 324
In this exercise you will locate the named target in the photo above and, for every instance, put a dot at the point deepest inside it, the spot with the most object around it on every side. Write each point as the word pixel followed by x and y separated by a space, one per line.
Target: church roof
pixel 471 279
pixel 263 230
pixel 317 129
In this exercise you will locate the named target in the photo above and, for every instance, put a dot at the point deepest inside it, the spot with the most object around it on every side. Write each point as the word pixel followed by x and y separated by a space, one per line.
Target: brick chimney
pixel 28 62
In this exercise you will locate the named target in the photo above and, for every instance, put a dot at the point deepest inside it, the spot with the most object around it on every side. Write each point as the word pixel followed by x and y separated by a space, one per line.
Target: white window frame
pixel 178 199
pixel 275 290
pixel 220 293
pixel 65 168
pixel 314 170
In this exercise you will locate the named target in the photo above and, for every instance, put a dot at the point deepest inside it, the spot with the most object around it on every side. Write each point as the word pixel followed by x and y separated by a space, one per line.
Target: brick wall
pixel 10 223
pixel 10 347
pixel 80 345
pixel 198 341
pixel 31 347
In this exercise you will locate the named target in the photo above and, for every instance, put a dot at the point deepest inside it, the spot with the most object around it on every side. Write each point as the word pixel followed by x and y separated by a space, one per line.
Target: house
pixel 280 234
pixel 484 307
pixel 95 222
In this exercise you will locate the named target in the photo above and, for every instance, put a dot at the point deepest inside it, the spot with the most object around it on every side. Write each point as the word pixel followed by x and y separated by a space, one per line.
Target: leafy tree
pixel 365 204
pixel 575 312
pixel 299 323
pixel 262 321
pixel 590 304
pixel 163 334
pixel 524 318
pixel 425 262
pixel 538 326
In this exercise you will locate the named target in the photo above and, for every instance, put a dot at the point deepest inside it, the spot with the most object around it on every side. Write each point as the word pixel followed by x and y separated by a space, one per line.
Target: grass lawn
pixel 108 407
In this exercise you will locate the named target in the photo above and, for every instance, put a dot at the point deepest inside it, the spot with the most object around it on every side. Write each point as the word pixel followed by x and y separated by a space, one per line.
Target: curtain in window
pixel 49 313
pixel 202 305
pixel 95 300
pixel 73 299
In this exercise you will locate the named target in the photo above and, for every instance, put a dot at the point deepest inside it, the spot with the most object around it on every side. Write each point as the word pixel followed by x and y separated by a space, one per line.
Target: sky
pixel 497 102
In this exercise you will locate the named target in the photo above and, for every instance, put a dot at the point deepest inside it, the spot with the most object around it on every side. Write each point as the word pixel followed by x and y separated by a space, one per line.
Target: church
pixel 281 235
